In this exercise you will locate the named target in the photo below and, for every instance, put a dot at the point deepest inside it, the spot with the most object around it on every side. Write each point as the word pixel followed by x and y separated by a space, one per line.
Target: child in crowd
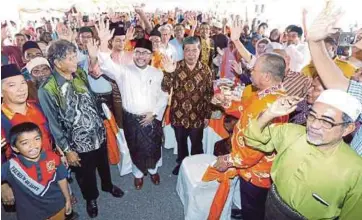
pixel 37 178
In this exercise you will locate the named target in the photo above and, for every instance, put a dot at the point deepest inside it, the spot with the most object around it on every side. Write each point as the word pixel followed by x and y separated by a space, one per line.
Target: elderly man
pixel 254 166
pixel 76 124
pixel 39 69
pixel 167 48
pixel 315 174
pixel 332 76
pixel 143 105
pixel 191 82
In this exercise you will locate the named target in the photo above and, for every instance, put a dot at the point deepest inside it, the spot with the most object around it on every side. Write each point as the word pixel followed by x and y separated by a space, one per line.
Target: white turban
pixel 343 101
pixel 36 62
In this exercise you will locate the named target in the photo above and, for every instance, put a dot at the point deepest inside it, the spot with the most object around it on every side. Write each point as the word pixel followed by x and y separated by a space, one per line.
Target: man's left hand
pixel 147 120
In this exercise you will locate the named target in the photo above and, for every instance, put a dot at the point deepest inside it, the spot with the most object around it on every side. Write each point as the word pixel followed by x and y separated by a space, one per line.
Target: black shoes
pixel 236 214
pixel 176 170
pixel 115 191
pixel 72 216
pixel 92 208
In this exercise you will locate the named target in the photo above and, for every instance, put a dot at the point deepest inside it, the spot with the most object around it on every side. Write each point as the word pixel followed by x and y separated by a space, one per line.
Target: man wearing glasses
pixel 315 174
pixel 143 104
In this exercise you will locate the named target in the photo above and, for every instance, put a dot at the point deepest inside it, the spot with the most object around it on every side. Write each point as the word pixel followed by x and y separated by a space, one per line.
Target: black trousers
pixel 253 200
pixel 195 134
pixel 86 174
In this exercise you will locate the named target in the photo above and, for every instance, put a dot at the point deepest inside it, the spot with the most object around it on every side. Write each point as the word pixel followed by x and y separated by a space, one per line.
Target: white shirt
pixel 170 51
pixel 179 50
pixel 140 88
pixel 299 56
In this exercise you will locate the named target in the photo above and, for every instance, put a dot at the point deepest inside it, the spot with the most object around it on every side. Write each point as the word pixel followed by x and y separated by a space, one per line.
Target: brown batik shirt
pixel 192 93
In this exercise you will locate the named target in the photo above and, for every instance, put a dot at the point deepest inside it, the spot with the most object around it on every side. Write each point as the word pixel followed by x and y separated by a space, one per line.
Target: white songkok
pixel 341 100
pixel 36 62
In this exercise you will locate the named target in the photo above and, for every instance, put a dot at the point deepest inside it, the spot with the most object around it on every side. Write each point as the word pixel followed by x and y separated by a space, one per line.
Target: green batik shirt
pixel 70 107
pixel 300 171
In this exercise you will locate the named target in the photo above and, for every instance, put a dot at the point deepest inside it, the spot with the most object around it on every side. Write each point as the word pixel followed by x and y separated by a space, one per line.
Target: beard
pixel 39 81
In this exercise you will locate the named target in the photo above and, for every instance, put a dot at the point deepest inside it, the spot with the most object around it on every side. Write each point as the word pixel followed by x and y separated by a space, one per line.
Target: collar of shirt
pixel 271 90
pixel 9 113
pixel 198 65
pixel 60 79
pixel 28 163
pixel 291 73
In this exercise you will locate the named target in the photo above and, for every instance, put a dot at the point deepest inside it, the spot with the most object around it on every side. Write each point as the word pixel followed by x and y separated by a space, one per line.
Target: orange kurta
pixel 250 164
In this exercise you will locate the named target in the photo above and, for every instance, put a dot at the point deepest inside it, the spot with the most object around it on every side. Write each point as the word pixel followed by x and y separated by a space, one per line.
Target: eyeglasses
pixel 144 53
pixel 324 123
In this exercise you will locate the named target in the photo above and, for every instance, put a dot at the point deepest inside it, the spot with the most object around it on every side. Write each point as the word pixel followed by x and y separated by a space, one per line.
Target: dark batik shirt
pixel 192 93
pixel 71 109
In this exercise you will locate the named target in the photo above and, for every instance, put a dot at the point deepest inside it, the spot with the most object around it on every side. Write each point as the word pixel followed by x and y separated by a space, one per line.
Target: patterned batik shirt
pixel 192 93
pixel 71 109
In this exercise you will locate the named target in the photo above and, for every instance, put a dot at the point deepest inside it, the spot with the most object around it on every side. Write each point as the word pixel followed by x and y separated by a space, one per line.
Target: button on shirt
pixel 317 184
pixel 140 88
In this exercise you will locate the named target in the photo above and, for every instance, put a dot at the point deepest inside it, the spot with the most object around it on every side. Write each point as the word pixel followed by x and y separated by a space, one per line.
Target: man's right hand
pixel 104 33
pixel 283 106
pixel 7 195
pixel 73 158
pixel 325 24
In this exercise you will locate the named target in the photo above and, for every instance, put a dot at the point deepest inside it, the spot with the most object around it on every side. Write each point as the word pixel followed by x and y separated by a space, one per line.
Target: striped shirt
pixel 355 89
pixel 296 84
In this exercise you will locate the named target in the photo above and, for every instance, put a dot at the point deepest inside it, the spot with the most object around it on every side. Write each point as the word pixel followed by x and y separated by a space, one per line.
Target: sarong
pixel 144 143
pixel 277 209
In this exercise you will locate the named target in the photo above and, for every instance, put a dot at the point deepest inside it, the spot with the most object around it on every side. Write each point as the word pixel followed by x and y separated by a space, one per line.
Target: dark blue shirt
pixel 35 185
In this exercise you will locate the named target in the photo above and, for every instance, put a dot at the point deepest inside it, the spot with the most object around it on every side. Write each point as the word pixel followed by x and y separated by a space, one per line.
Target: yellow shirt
pixel 347 68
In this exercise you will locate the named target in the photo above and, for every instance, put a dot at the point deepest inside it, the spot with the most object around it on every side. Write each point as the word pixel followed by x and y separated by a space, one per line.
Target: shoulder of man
pixel 50 85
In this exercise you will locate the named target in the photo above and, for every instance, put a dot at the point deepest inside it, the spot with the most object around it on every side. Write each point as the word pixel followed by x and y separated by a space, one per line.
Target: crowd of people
pixel 294 139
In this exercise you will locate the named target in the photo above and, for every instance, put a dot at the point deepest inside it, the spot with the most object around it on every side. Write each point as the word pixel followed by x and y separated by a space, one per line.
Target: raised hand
pixel 168 64
pixel 92 47
pixel 104 33
pixel 325 23
pixel 130 34
pixel 283 106
pixel 65 32
pixel 236 30
pixel 236 67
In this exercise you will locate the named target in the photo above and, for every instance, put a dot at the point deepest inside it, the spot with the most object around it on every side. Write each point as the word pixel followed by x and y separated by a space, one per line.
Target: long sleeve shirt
pixel 72 112
pixel 300 56
pixel 317 184
pixel 140 88
pixel 192 93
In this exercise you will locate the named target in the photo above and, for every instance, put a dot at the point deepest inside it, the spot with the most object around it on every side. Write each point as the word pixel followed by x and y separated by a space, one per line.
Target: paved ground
pixel 151 203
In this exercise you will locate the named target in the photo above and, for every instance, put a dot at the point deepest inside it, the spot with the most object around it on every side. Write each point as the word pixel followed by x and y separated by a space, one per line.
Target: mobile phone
pixel 85 18
pixel 346 39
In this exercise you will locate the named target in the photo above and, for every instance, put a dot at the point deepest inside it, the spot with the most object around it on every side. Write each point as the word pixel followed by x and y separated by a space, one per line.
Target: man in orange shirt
pixel 251 165
pixel 15 108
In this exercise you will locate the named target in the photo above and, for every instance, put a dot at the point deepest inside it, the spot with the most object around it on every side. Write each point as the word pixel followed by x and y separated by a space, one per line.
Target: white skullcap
pixel 217 24
pixel 343 101
pixel 36 62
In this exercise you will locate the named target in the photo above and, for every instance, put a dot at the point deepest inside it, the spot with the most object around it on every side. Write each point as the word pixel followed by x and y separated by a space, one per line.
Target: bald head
pixel 274 64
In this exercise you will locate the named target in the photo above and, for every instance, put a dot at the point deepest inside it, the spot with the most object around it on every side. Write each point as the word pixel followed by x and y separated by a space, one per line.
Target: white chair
pixel 196 195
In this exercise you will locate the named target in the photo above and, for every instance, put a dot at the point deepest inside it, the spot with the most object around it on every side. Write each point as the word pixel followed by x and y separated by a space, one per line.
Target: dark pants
pixel 195 134
pixel 86 174
pixel 252 200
